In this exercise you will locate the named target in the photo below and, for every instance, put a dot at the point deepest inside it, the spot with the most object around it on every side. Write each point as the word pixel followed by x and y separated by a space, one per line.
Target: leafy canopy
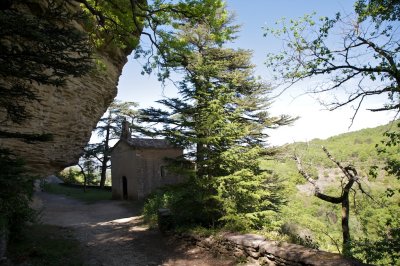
pixel 353 60
pixel 219 118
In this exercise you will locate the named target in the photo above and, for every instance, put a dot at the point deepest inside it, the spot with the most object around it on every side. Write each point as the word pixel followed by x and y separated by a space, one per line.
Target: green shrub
pixel 184 201
pixel 16 189
pixel 248 201
pixel 383 251
pixel 154 202
pixel 71 175
pixel 238 203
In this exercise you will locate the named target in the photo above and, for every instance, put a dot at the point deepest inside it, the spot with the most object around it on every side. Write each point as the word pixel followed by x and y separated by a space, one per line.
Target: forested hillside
pixel 374 206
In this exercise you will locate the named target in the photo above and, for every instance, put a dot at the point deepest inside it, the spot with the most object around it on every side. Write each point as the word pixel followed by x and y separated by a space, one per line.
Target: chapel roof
pixel 150 143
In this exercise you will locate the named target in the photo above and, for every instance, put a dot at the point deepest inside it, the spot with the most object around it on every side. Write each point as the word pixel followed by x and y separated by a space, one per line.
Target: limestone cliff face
pixel 68 113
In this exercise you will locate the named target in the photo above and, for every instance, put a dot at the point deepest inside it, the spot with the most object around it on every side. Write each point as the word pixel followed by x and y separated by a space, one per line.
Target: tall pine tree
pixel 109 129
pixel 220 118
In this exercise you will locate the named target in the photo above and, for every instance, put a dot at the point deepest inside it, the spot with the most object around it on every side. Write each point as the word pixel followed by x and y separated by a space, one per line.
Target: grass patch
pixel 49 245
pixel 91 195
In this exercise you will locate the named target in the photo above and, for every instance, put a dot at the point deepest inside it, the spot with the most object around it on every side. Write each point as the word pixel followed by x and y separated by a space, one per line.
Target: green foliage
pixel 115 23
pixel 306 221
pixel 219 118
pixel 382 252
pixel 285 167
pixel 45 245
pixel 107 129
pixel 356 148
pixel 122 22
pixel 291 230
pixel 249 202
pixel 16 188
pixel 88 170
pixel 253 208
pixel 391 150
pixel 379 241
pixel 378 10
pixel 91 195
pixel 184 201
pixel 71 175
pixel 341 54
pixel 165 21
pixel 373 223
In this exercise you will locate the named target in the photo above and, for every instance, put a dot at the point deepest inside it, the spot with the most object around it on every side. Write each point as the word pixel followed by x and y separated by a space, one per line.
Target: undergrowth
pixel 48 245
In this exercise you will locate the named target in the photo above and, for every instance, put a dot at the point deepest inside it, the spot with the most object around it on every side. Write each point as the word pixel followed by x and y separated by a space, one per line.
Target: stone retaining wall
pixel 261 251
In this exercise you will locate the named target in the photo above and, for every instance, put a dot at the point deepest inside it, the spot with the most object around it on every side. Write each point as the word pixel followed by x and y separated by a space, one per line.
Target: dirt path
pixel 113 233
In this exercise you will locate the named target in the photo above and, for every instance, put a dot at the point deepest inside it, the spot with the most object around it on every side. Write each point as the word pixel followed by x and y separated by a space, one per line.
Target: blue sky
pixel 253 16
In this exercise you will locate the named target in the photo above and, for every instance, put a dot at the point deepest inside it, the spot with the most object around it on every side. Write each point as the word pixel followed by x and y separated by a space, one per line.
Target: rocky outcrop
pixel 67 113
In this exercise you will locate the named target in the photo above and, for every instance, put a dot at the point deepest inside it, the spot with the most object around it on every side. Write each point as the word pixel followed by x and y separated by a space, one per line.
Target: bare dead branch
pixel 337 163
pixel 317 193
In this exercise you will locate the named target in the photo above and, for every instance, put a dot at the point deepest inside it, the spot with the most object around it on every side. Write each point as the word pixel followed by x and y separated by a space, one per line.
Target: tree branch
pixel 99 15
pixel 317 193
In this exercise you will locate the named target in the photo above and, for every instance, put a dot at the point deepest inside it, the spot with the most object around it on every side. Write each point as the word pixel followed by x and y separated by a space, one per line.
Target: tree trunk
pixel 84 182
pixel 103 175
pixel 103 170
pixel 105 159
pixel 84 177
pixel 351 174
pixel 345 225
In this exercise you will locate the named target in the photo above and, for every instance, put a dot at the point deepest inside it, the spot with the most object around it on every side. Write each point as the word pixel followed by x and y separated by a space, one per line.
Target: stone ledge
pixel 261 251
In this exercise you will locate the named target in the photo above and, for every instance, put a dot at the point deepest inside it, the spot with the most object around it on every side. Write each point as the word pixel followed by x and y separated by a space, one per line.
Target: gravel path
pixel 113 233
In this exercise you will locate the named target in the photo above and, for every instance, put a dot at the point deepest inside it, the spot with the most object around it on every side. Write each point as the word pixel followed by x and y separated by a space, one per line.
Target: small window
pixel 163 171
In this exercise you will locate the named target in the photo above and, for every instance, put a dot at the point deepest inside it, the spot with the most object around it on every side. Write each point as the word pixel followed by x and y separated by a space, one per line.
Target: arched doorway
pixel 124 188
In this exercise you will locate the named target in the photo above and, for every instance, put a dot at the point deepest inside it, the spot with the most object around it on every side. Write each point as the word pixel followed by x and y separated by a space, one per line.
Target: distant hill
pixel 310 221
pixel 357 148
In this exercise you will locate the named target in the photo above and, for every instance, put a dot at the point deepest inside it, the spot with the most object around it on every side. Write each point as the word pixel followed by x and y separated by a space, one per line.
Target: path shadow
pixel 124 242
pixel 113 233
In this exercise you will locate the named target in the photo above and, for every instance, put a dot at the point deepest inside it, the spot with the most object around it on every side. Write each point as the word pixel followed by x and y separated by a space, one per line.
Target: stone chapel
pixel 138 166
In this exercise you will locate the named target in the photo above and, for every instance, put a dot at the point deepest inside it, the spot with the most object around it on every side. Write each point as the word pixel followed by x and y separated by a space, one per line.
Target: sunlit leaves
pixel 115 22
pixel 378 10
pixel 219 118
pixel 359 57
